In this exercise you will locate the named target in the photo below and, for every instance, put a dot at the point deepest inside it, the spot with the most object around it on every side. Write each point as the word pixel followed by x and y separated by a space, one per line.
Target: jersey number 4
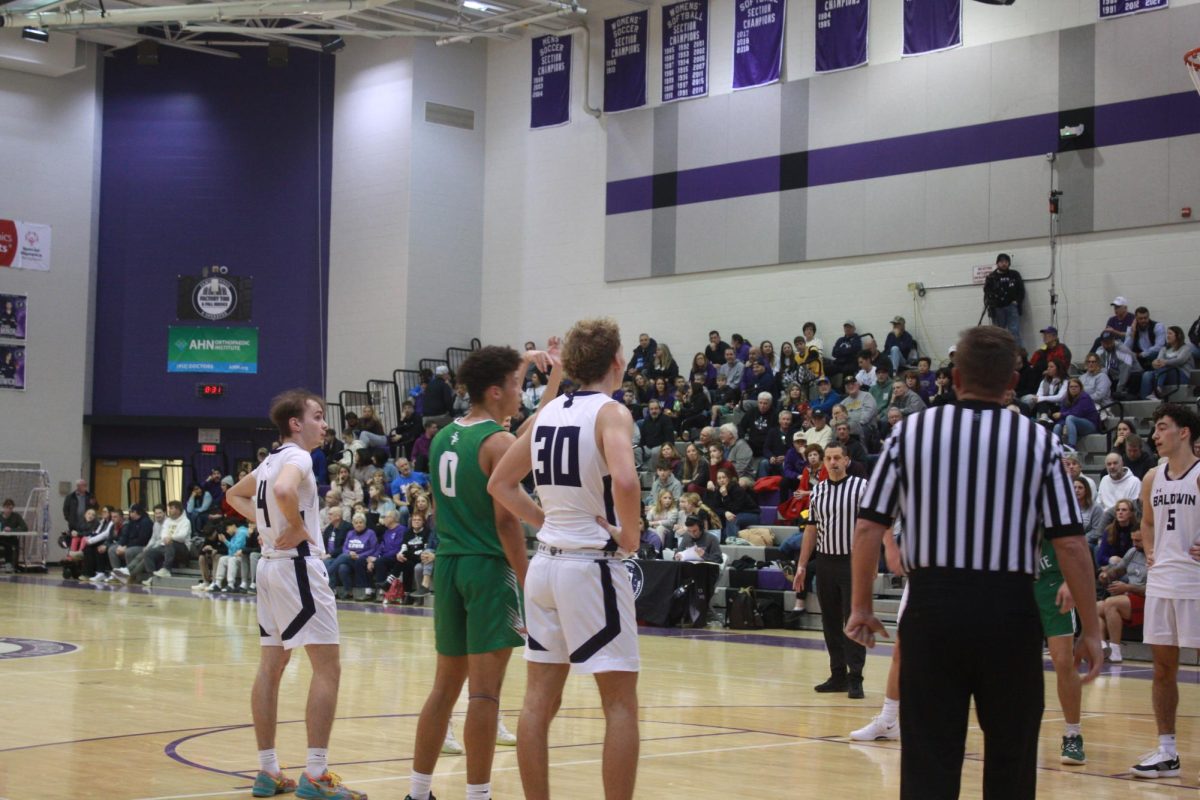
pixel 262 504
pixel 557 452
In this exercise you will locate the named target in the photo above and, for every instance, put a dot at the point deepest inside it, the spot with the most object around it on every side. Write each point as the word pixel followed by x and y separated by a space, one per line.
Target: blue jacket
pixel 904 341
pixel 826 404
pixel 419 478
pixel 238 542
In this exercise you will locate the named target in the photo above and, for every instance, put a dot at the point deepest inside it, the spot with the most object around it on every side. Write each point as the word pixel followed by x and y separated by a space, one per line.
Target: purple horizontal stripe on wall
pixel 1116 123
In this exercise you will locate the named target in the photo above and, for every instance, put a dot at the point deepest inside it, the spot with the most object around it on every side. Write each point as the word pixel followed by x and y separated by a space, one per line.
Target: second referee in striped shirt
pixel 832 513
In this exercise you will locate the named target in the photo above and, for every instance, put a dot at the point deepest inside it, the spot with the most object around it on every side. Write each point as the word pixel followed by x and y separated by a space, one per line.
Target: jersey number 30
pixel 557 452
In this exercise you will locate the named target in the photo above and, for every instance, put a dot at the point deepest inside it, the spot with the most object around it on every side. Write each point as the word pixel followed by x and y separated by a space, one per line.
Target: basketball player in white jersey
pixel 1170 531
pixel 579 607
pixel 295 604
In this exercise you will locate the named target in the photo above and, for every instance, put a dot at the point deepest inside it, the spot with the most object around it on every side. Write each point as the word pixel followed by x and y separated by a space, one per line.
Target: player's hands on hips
pixel 1088 649
pixel 798 581
pixel 1194 552
pixel 290 537
pixel 863 627
pixel 1064 600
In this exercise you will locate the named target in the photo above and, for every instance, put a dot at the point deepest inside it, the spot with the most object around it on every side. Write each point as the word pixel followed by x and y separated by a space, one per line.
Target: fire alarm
pixel 1186 212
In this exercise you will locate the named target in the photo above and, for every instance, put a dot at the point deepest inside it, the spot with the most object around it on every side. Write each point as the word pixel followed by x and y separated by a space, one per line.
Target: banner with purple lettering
pixel 550 95
pixel 758 42
pixel 1119 8
pixel 625 61
pixel 685 50
pixel 932 25
pixel 841 34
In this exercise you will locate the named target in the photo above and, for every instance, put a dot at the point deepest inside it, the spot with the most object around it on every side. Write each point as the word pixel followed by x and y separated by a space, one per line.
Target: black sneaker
pixel 834 684
pixel 854 689
pixel 1156 764
pixel 410 797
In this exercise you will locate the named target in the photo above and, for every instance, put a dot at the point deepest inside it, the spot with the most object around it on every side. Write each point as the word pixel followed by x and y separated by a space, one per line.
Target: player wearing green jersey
pixel 1058 624
pixel 481 565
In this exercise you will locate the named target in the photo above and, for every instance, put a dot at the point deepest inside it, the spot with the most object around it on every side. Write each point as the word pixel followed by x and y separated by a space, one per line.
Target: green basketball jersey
pixel 1048 570
pixel 466 518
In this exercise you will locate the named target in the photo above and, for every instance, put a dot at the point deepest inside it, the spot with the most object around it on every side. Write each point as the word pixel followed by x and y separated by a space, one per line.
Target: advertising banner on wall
pixel 14 309
pixel 625 62
pixel 214 295
pixel 12 366
pixel 932 25
pixel 758 42
pixel 1120 8
pixel 24 245
pixel 196 349
pixel 685 50
pixel 841 34
pixel 550 82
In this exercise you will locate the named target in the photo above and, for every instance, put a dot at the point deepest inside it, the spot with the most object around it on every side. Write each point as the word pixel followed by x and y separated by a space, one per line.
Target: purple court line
pixel 1144 671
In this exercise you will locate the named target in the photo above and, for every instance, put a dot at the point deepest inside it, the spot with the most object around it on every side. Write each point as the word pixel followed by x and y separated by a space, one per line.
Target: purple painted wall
pixel 210 161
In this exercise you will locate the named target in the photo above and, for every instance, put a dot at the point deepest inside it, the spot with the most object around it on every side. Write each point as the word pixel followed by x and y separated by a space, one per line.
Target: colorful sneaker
pixel 1156 764
pixel 1072 750
pixel 877 729
pixel 503 735
pixel 268 785
pixel 327 787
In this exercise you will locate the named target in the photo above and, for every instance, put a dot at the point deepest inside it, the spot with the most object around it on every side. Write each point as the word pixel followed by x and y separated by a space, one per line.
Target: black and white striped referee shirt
pixel 972 482
pixel 833 509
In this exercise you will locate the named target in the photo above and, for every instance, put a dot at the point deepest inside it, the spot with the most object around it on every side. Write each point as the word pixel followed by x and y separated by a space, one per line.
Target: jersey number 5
pixel 447 467
pixel 1170 520
pixel 262 503
pixel 557 456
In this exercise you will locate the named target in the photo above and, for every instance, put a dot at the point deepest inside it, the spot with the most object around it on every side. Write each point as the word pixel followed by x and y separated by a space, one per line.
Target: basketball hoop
pixel 1192 59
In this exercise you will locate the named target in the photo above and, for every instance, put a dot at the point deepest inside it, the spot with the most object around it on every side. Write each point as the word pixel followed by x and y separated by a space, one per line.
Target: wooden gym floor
pixel 150 700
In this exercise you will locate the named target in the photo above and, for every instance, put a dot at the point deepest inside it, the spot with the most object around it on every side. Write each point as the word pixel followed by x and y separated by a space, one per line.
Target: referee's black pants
pixel 970 634
pixel 833 593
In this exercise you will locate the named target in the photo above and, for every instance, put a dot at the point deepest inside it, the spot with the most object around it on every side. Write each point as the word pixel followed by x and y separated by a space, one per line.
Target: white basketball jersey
pixel 267 515
pixel 1176 505
pixel 572 479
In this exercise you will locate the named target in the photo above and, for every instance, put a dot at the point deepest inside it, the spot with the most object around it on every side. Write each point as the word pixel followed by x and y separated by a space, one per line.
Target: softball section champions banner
pixel 550 95
pixel 932 25
pixel 196 349
pixel 841 34
pixel 625 62
pixel 758 42
pixel 24 245
pixel 1119 8
pixel 684 50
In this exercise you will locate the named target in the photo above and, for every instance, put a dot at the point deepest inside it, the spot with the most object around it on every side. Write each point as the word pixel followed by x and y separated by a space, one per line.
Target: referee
pixel 831 515
pixel 972 482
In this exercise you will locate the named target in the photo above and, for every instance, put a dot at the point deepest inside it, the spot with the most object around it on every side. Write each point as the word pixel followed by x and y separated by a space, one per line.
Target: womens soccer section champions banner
pixel 625 62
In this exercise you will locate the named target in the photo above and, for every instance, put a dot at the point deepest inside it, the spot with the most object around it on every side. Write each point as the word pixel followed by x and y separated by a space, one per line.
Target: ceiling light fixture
pixel 36 35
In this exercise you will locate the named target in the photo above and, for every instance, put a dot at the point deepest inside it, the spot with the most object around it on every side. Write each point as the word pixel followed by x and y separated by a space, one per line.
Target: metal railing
pixel 386 399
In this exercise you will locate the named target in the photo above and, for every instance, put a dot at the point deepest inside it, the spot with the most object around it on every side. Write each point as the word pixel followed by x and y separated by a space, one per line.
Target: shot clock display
pixel 210 390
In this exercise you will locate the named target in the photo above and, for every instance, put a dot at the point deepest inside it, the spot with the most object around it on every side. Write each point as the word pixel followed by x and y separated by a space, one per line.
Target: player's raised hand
pixel 554 350
pixel 539 358
pixel 863 627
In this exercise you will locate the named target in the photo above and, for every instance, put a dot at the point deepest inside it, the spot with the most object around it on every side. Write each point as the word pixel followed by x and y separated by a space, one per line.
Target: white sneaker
pixel 100 577
pixel 200 587
pixel 503 735
pixel 1156 764
pixel 369 593
pixel 115 578
pixel 451 747
pixel 162 573
pixel 121 572
pixel 877 729
pixel 214 586
pixel 1114 654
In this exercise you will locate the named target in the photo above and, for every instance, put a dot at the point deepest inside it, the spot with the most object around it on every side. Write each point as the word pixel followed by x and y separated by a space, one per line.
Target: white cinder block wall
pixel 544 223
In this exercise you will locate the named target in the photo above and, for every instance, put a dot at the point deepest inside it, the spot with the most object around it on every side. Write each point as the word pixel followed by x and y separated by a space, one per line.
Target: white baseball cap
pixel 1119 301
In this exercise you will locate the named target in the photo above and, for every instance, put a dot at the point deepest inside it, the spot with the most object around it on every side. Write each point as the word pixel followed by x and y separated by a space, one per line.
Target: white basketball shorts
pixel 296 607
pixel 579 611
pixel 1172 622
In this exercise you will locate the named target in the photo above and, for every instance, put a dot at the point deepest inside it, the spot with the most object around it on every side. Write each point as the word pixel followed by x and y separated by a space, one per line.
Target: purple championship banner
pixel 758 42
pixel 550 94
pixel 625 61
pixel 932 25
pixel 684 50
pixel 1120 8
pixel 841 34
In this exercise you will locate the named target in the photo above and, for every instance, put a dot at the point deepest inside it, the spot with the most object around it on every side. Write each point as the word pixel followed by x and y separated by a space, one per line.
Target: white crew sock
pixel 1166 743
pixel 318 762
pixel 891 710
pixel 268 761
pixel 1073 730
pixel 479 791
pixel 419 785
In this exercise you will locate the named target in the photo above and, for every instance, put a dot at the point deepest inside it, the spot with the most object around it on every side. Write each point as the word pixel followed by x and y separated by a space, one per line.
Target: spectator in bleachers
pixel 1003 296
pixel 1052 350
pixel 731 368
pixel 340 565
pixel 826 397
pixel 695 411
pixel 533 394
pixel 1095 382
pixel 739 452
pixel 369 429
pixel 417 393
pixel 1145 338
pixel 859 405
pixel 172 547
pixel 745 351
pixel 820 433
pixel 1123 430
pixel 663 514
pixel 755 423
pixel 642 359
pixel 878 358
pixel 362 546
pixel 1133 454
pixel 881 390
pixel 643 388
pixel 1119 364
pixel 812 364
pixel 1077 416
pixel 334 534
pixel 657 430
pixel 386 567
pixel 364 467
pixel 1074 468
pixel 439 398
pixel 855 451
pixel 134 537
pixel 229 565
pixel 766 352
pixel 1118 536
pixel 760 380
pixel 796 402
pixel 333 499
pixel 407 430
pixel 926 379
pixel 461 403
pixel 332 447
pixel 697 544
pixel 890 422
pixel 415 558
pixel 665 481
pixel 715 352
pixel 1125 582
pixel 1050 392
pixel 378 500
pixel 1089 511
pixel 899 345
pixel 707 438
pixel 716 462
pixel 1172 366
pixel 96 547
pixel 913 383
pixel 1119 484
pixel 348 487
pixel 1119 323
pixel 691 505
pixel 1194 339
pixel 663 365
pixel 809 330
pixel 735 506
pixel 1028 377
pixel 251 555
pixel 11 522
pixel 846 350
pixel 787 374
pixel 866 372
pixel 777 443
pixel 663 392
pixel 216 539
pixel 216 490
pixel 794 463
pixel 76 503
pixel 669 457
pixel 630 400
pixel 704 371
pixel 694 475
pixel 725 399
pixel 420 448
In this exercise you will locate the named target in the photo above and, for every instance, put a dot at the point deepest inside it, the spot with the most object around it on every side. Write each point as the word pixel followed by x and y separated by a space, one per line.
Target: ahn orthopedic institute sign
pixel 214 295
pixel 219 350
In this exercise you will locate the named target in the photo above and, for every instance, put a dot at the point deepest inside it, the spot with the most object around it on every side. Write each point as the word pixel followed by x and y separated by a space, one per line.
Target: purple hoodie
pixel 392 539
pixel 1083 407
pixel 365 543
